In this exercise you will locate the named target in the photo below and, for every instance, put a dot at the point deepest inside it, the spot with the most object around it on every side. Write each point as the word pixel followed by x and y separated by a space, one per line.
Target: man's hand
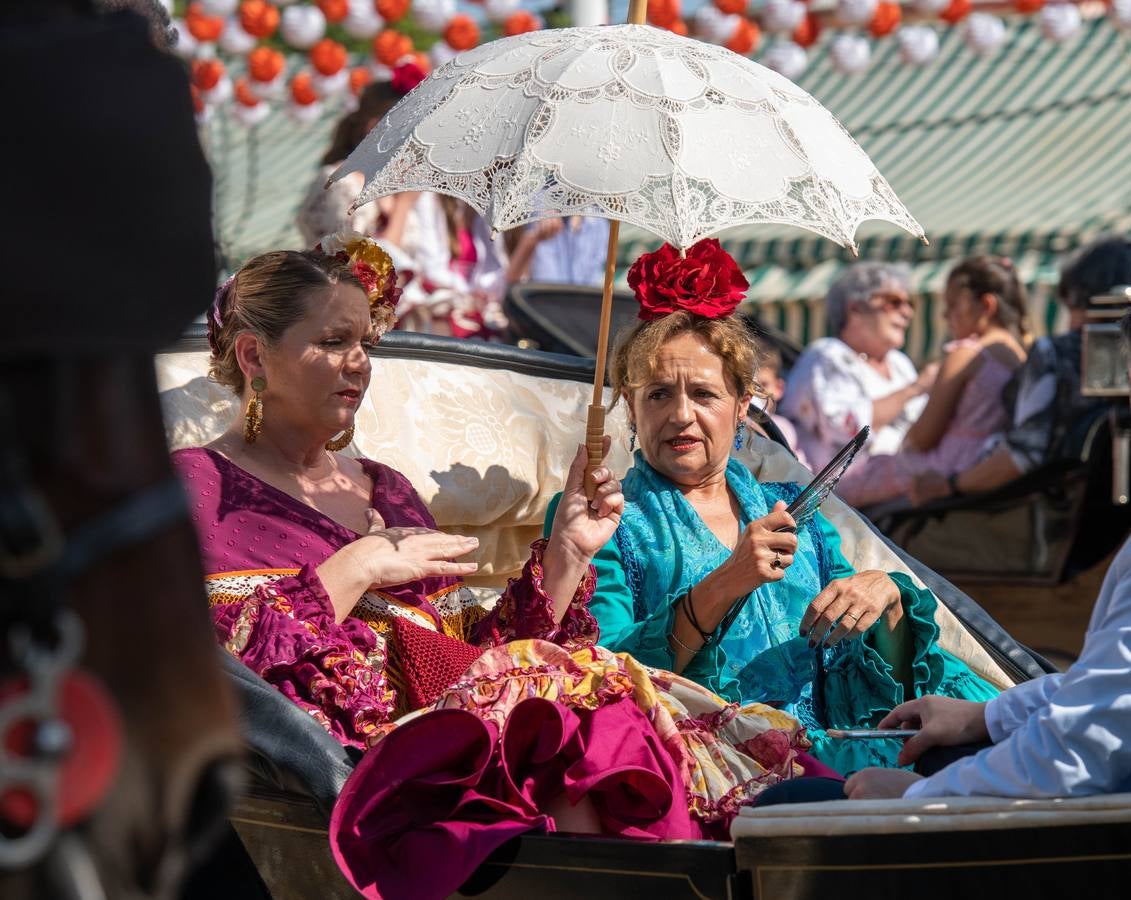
pixel 879 784
pixel 942 722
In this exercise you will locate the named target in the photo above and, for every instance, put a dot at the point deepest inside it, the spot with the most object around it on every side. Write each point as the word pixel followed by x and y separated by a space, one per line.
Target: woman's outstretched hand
pixel 383 557
pixel 398 555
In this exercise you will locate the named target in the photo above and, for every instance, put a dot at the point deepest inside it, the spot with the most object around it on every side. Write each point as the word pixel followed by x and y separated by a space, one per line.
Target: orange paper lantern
pixel 201 26
pixel 328 57
pixel 197 101
pixel 392 10
pixel 520 22
pixel 886 18
pixel 259 18
pixel 462 33
pixel 678 27
pixel 806 34
pixel 745 38
pixel 244 94
pixel 1028 6
pixel 421 60
pixel 390 45
pixel 264 64
pixel 206 73
pixel 360 76
pixel 731 7
pixel 334 10
pixel 956 12
pixel 302 89
pixel 663 13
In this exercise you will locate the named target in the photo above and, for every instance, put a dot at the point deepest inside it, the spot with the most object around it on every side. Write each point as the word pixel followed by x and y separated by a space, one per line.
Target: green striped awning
pixel 1026 150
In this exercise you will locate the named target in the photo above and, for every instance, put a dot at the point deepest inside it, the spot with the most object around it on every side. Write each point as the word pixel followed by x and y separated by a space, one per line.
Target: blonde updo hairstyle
pixel 633 362
pixel 266 297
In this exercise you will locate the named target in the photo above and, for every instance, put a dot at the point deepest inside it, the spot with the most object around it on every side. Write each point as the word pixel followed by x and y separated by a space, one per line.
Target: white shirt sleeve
pixel 1076 742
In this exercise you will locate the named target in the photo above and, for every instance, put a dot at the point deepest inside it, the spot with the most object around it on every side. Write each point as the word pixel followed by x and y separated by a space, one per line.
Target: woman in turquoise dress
pixel 701 542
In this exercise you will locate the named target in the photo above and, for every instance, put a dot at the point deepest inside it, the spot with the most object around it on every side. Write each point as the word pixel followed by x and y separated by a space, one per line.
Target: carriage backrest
pixel 486 436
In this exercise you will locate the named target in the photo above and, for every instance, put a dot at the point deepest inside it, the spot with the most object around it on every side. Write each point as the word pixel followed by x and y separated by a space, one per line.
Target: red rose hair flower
pixel 406 76
pixel 706 282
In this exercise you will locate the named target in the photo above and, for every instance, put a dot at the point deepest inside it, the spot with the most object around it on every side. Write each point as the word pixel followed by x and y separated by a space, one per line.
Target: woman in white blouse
pixel 860 377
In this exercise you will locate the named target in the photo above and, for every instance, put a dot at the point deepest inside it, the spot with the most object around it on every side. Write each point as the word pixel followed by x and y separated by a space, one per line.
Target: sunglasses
pixel 892 302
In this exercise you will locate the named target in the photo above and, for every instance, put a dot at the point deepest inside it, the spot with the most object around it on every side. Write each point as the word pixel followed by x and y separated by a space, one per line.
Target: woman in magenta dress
pixel 328 579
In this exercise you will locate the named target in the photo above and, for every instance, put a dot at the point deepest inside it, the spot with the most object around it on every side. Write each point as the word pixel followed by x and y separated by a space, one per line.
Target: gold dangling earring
pixel 253 418
pixel 340 443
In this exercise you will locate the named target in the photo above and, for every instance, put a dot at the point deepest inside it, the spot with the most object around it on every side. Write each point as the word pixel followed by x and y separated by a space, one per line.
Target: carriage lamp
pixel 1104 374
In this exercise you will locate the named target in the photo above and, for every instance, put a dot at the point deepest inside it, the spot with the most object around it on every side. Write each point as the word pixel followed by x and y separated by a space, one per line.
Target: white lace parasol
pixel 630 123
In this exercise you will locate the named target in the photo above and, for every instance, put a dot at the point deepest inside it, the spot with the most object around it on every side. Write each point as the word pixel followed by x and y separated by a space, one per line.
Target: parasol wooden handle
pixel 595 422
pixel 594 446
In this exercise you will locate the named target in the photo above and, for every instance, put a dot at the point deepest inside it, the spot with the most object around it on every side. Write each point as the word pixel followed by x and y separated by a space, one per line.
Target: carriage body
pixel 485 432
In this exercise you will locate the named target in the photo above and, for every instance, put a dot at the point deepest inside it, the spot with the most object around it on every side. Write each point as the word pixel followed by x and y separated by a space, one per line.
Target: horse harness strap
pixel 38 745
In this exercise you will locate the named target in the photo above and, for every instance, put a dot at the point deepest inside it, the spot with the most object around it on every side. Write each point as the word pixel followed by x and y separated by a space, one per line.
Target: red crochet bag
pixel 428 662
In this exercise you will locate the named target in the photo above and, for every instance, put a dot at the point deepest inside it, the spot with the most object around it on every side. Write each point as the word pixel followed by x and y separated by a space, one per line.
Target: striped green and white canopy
pixel 1025 154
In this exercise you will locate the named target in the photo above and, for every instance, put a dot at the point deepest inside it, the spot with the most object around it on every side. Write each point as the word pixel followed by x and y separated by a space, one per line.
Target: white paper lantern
pixel 783 16
pixel 219 7
pixel 930 7
pixel 302 26
pixel 983 33
pixel 233 39
pixel 1120 14
pixel 274 89
pixel 588 13
pixel 855 12
pixel 787 59
pixel 850 53
pixel 221 93
pixel 250 115
pixel 433 15
pixel 331 85
pixel 185 46
pixel 1060 22
pixel 305 115
pixel 714 25
pixel 497 11
pixel 362 21
pixel 380 71
pixel 441 53
pixel 918 44
pixel 204 116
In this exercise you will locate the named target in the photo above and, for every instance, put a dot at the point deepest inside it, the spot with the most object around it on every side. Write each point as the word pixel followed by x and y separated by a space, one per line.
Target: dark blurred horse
pixel 106 254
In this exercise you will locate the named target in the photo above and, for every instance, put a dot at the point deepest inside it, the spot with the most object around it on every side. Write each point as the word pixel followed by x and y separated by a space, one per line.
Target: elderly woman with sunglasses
pixel 860 377
pixel 707 574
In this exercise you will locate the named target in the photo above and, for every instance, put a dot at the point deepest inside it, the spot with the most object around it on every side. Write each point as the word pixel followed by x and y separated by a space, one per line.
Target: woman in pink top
pixel 985 312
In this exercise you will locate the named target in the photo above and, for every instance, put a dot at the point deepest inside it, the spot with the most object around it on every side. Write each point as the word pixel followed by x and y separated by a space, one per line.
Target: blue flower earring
pixel 739 435
pixel 632 440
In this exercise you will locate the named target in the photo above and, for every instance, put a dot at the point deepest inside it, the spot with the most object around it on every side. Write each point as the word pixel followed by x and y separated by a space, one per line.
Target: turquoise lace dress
pixel 662 548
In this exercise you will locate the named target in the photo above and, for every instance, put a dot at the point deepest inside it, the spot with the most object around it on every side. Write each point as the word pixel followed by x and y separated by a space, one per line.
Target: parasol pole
pixel 595 421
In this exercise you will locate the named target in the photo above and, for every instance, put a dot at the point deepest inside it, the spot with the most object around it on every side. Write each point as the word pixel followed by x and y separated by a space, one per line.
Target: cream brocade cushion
pixel 488 448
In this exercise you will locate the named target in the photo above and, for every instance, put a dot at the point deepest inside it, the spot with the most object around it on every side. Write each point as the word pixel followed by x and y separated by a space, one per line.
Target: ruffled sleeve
pixel 284 631
pixel 612 606
pixel 526 611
